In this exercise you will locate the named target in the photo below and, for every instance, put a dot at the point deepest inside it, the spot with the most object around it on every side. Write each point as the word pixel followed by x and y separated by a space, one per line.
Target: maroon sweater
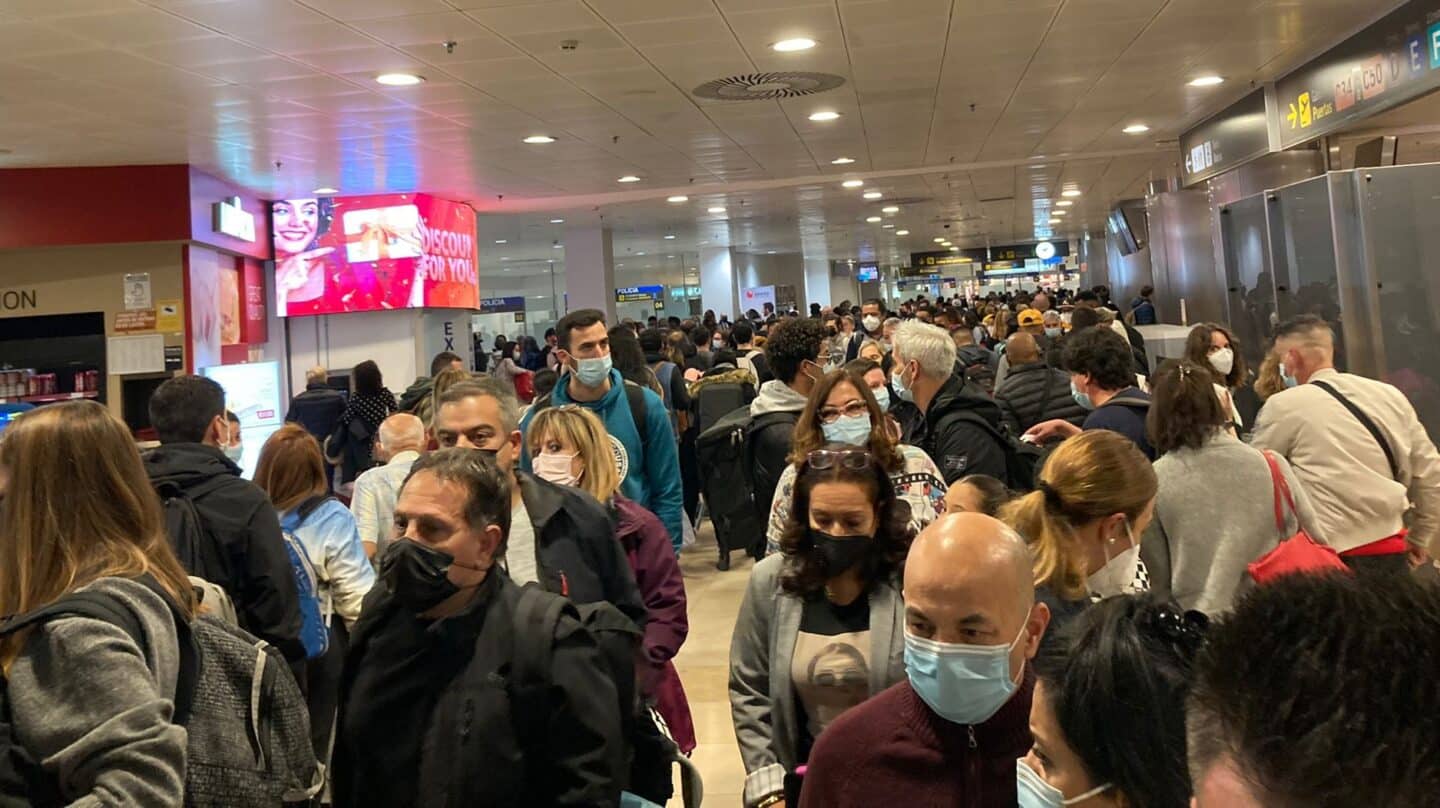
pixel 893 750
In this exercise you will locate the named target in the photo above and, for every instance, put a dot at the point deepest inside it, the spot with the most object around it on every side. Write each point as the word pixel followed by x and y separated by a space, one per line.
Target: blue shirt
pixel 1126 419
pixel 649 474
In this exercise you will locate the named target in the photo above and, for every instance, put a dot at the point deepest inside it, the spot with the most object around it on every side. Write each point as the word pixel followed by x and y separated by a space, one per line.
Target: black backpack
pixel 200 553
pixel 724 456
pixel 650 754
pixel 715 400
pixel 1023 460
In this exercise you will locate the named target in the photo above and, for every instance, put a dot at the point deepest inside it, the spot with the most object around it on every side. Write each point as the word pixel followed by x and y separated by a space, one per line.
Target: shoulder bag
pixel 1297 554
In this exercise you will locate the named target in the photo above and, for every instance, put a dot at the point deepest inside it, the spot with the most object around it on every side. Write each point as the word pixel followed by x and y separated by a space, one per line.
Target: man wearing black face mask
pixel 431 667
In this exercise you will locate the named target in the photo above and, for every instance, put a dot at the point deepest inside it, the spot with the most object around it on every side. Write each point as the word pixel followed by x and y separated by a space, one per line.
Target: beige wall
pixel 73 280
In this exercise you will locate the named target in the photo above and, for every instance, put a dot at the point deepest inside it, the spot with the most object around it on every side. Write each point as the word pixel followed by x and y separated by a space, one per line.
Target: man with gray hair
pixel 962 717
pixel 962 424
pixel 401 440
pixel 318 409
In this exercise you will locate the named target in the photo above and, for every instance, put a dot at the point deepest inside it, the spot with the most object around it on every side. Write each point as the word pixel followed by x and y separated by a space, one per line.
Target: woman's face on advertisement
pixel 296 222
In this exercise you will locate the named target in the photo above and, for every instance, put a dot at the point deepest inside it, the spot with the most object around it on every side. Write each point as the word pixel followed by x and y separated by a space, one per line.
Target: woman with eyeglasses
pixel 1108 712
pixel 821 627
pixel 842 409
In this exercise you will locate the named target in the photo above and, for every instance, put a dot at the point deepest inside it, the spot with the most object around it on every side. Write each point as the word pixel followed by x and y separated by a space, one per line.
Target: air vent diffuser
pixel 767 86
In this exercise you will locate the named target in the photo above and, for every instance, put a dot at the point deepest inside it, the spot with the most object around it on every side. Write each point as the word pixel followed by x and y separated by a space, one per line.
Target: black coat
pixel 1024 401
pixel 240 519
pixel 468 750
pixel 317 409
pixel 959 445
pixel 771 437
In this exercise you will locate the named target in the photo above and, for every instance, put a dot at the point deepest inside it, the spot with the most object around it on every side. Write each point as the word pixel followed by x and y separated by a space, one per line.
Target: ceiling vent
pixel 767 86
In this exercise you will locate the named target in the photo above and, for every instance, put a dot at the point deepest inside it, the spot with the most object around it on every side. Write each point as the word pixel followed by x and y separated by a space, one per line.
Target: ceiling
pixel 977 113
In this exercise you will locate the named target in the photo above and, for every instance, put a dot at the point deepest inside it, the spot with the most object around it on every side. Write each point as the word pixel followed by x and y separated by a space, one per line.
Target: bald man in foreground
pixel 950 735
pixel 398 445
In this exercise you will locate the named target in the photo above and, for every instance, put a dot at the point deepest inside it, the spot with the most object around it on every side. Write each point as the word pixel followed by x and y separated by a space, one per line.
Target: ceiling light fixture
pixel 670 237
pixel 872 195
pixel 890 209
pixel 325 191
pixel 842 161
pixel 1072 192
pixel 872 219
pixel 1060 213
pixel 499 241
pixel 1136 129
pixel 824 115
pixel 677 199
pixel 888 226
pixel 1206 81
pixel 799 43
pixel 538 139
pixel 1056 221
pixel 939 239
pixel 902 232
pixel 954 249
pixel 628 178
pixel 769 252
pixel 399 79
pixel 852 183
pixel 1064 203
pixel 716 209
pixel 558 246
pixel 557 221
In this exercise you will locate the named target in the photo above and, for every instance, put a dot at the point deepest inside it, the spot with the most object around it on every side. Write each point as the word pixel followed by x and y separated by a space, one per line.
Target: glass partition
pixel 1249 276
pixel 1306 280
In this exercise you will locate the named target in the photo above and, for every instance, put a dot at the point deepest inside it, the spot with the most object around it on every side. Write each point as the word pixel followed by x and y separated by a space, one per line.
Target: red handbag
pixel 1297 554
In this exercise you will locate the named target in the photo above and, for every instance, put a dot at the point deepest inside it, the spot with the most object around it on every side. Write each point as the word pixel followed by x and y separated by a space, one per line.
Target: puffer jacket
pixel 1024 401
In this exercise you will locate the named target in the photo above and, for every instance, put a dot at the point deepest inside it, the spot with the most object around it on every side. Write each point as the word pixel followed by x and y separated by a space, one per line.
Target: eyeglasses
pixel 830 415
pixel 852 459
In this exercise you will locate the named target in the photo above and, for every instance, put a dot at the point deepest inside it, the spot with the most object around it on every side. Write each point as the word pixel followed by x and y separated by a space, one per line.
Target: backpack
pixel 635 394
pixel 976 369
pixel 247 725
pixel 314 622
pixel 199 552
pixel 619 640
pixel 726 460
pixel 1023 460
pixel 715 400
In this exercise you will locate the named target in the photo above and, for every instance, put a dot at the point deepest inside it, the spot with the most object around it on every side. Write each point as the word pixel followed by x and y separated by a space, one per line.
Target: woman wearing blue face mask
pixel 821 628
pixel 842 409
pixel 1108 712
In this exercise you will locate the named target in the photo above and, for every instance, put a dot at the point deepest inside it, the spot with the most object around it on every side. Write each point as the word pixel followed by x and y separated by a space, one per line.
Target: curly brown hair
pixel 803 572
pixel 810 433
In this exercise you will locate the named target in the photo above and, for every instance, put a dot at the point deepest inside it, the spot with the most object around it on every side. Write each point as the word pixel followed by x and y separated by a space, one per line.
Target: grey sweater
pixel 95 710
pixel 1214 514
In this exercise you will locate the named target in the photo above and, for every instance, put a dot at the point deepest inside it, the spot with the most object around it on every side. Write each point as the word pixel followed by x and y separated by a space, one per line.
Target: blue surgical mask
pixel 1082 398
pixel 235 452
pixel 851 429
pixel 965 684
pixel 897 381
pixel 593 372
pixel 1290 381
pixel 1054 332
pixel 1034 792
pixel 882 397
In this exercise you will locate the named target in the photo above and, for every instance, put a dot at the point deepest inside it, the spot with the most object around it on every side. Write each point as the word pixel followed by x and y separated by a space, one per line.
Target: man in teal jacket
pixel 649 464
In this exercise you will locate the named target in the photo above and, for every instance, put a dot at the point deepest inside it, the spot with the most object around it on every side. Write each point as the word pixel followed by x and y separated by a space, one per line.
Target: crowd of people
pixel 1004 556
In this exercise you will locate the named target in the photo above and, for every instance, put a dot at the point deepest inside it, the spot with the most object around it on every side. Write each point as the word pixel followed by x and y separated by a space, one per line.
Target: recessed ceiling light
pixel 670 237
pixel 888 226
pixel 852 183
pixel 890 209
pixel 399 79
pixel 326 190
pixel 504 258
pixel 872 219
pixel 873 194
pixel 558 246
pixel 902 232
pixel 1136 129
pixel 628 178
pixel 1206 81
pixel 537 139
pixel 769 252
pixel 842 161
pixel 1064 203
pixel 799 43
pixel 716 209
pixel 1072 192
pixel 639 253
pixel 1334 148
pixel 677 199
pixel 1056 221
pixel 557 221
pixel 954 249
pixel 499 241
pixel 939 239
pixel 1060 213
pixel 824 115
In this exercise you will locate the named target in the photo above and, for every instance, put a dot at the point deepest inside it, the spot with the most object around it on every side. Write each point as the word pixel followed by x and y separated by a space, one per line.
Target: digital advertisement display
pixel 368 253
pixel 252 392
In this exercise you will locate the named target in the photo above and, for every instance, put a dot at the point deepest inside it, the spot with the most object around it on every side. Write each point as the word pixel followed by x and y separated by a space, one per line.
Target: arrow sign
pixel 1293 116
pixel 1188 169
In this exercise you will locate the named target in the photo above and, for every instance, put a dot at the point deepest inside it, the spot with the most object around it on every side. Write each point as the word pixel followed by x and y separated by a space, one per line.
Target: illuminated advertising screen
pixel 366 253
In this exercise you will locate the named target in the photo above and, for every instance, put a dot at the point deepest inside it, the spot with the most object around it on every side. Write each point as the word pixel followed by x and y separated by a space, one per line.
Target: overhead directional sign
pixel 1394 60
pixel 635 294
pixel 1235 135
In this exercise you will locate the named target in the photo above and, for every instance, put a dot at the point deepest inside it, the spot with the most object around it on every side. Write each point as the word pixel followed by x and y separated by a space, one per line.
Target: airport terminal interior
pixel 910 233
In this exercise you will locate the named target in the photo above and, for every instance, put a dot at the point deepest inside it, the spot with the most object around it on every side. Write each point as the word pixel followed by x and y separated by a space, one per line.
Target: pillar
pixel 589 271
pixel 717 282
pixel 817 283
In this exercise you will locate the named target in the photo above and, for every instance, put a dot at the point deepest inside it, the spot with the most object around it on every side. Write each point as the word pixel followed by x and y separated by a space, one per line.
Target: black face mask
pixel 416 575
pixel 839 553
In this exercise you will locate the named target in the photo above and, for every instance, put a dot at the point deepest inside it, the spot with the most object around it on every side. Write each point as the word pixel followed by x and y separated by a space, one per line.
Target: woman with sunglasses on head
pixel 570 446
pixel 821 627
pixel 1108 712
pixel 842 409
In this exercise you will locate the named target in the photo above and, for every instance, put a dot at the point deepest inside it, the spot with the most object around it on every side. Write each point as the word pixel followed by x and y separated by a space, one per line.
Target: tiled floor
pixel 704 665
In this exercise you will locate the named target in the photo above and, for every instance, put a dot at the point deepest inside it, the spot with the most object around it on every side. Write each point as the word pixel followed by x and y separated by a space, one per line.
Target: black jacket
pixel 467 748
pixel 1025 402
pixel 577 554
pixel 957 444
pixel 418 391
pixel 317 409
pixel 239 517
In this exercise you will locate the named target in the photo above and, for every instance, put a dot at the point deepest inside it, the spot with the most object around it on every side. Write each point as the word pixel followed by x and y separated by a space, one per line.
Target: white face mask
pixel 1117 577
pixel 1034 792
pixel 1223 361
pixel 871 322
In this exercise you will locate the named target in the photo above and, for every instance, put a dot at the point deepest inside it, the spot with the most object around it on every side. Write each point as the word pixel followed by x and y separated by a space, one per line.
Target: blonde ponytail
pixel 1054 563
